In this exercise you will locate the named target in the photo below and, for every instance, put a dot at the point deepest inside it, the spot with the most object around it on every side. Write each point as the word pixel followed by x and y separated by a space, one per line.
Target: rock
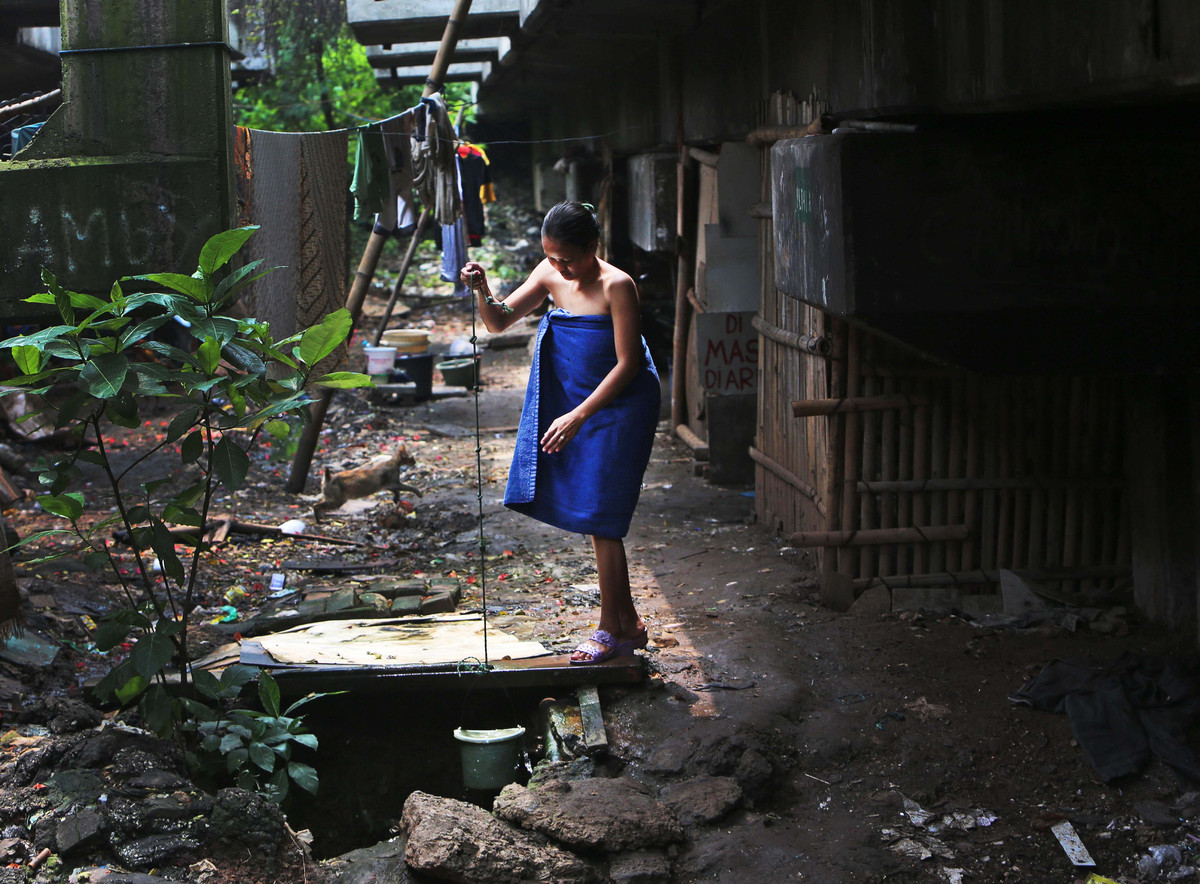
pixel 640 867
pixel 153 849
pixel 154 781
pixel 576 769
pixel 79 830
pixel 247 818
pixel 702 799
pixel 755 775
pixel 13 876
pixel 603 814
pixel 669 758
pixel 455 841
pixel 66 716
pixel 369 865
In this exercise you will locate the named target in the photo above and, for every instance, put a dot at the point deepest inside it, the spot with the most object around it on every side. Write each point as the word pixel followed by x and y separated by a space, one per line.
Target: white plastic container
pixel 380 360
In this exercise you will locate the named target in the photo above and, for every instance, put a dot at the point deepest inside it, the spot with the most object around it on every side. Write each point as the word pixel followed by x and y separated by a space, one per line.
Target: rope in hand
pixel 477 285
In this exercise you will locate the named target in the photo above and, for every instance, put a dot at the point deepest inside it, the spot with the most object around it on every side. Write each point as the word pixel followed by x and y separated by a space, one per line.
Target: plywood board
pixel 400 641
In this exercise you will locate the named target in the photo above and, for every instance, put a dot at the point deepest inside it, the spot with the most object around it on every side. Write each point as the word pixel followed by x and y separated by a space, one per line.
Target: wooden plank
pixel 988 575
pixel 595 740
pixel 699 447
pixel 782 472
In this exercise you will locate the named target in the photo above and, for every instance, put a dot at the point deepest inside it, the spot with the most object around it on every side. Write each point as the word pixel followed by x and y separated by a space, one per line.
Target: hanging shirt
pixel 397 214
pixel 477 189
pixel 371 174
pixel 435 172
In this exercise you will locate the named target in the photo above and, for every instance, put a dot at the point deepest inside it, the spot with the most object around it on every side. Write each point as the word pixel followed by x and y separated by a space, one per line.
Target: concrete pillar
pixel 134 171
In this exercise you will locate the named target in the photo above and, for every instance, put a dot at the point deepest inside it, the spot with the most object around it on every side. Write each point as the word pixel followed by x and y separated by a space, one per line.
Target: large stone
pixel 79 830
pixel 455 841
pixel 369 865
pixel 701 799
pixel 600 814
pixel 640 867
pixel 247 818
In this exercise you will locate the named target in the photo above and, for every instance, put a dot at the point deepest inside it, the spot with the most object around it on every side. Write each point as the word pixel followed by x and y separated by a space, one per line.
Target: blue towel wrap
pixel 592 485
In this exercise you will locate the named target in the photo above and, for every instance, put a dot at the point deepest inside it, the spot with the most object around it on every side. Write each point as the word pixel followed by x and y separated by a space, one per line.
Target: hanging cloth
pixel 398 215
pixel 371 173
pixel 477 189
pixel 435 173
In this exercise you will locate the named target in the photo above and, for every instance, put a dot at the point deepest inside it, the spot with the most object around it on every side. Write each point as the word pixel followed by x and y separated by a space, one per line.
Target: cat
pixel 379 473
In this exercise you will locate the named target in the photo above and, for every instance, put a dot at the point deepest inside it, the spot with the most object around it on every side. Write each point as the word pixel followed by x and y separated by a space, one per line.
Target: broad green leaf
pixel 39 338
pixel 344 380
pixel 209 354
pixel 236 676
pixel 230 741
pixel 135 333
pixel 158 710
pixel 62 505
pixel 207 684
pixel 28 358
pixel 192 447
pixel 308 740
pixel 123 411
pixel 151 654
pixel 223 246
pixel 222 328
pixel 304 776
pixel 276 788
pixel 279 429
pixel 308 698
pixel 230 463
pixel 138 513
pixel 89 455
pixel 322 339
pixel 173 353
pixel 197 710
pixel 181 516
pixel 109 634
pixel 106 688
pixel 168 627
pixel 95 560
pixel 268 693
pixel 146 380
pixel 262 756
pixel 129 691
pixel 183 422
pixel 164 548
pixel 245 359
pixel 235 759
pixel 194 288
pixel 63 302
pixel 238 279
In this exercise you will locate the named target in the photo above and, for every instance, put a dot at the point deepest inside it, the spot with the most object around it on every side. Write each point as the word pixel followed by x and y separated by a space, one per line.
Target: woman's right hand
pixel 472 270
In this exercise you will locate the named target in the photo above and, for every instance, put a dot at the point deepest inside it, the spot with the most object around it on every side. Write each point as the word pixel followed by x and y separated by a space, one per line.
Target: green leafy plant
pixel 249 744
pixel 233 384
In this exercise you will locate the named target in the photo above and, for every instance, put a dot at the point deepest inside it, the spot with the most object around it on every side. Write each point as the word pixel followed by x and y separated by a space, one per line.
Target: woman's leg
pixel 618 616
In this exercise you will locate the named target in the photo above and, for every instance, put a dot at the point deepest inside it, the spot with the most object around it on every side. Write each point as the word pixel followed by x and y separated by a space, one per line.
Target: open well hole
pixel 376 749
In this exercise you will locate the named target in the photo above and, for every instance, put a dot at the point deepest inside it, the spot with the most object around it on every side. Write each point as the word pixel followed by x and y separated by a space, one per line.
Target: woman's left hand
pixel 562 431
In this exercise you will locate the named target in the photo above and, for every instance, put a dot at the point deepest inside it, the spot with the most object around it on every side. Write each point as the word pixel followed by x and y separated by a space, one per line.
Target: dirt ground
pixel 848 714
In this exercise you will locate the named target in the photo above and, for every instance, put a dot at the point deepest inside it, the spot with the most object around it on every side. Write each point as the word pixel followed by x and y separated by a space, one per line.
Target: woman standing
pixel 590 411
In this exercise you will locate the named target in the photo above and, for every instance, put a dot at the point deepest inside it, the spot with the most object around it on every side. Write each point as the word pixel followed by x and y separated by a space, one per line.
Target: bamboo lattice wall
pixel 907 473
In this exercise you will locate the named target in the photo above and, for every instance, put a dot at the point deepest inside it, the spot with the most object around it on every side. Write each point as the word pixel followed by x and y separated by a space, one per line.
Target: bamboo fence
pixel 903 473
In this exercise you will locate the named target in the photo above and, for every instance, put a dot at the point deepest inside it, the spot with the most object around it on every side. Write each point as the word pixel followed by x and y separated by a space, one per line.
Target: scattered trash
pixel 954 876
pixel 235 594
pixel 1093 878
pixel 293 526
pixel 1069 839
pixel 1162 858
pixel 29 649
pixel 228 614
pixel 278 587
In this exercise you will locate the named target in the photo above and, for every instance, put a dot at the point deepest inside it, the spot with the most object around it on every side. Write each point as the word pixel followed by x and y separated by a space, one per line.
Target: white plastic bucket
pixel 380 360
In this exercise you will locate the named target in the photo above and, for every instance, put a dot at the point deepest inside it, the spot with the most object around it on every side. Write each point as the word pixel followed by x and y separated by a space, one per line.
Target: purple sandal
pixel 611 648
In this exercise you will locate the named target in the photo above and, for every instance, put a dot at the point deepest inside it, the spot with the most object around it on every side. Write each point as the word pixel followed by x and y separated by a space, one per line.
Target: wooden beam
pixel 595 740
pixel 699 446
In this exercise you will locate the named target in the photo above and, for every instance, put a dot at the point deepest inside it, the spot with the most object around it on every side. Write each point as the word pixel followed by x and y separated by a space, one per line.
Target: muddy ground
pixel 828 721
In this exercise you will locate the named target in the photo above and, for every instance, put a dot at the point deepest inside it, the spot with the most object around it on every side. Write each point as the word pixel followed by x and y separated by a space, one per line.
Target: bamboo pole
pixel 818 345
pixel 868 515
pixel 683 283
pixel 976 484
pixel 770 134
pixel 887 473
pixel 990 575
pixel 699 447
pixel 938 453
pixel 990 455
pixel 855 404
pixel 1010 436
pixel 831 490
pixel 1022 499
pixel 782 472
pixel 852 452
pixel 904 471
pixel 868 536
pixel 970 470
pixel 370 260
pixel 920 512
pixel 955 467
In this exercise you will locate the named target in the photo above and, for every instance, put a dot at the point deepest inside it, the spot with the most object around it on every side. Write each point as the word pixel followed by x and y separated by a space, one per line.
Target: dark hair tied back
pixel 571 223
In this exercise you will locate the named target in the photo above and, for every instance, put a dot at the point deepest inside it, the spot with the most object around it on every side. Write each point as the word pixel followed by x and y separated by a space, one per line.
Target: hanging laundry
pixel 435 173
pixel 297 195
pixel 398 214
pixel 454 254
pixel 371 180
pixel 477 189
